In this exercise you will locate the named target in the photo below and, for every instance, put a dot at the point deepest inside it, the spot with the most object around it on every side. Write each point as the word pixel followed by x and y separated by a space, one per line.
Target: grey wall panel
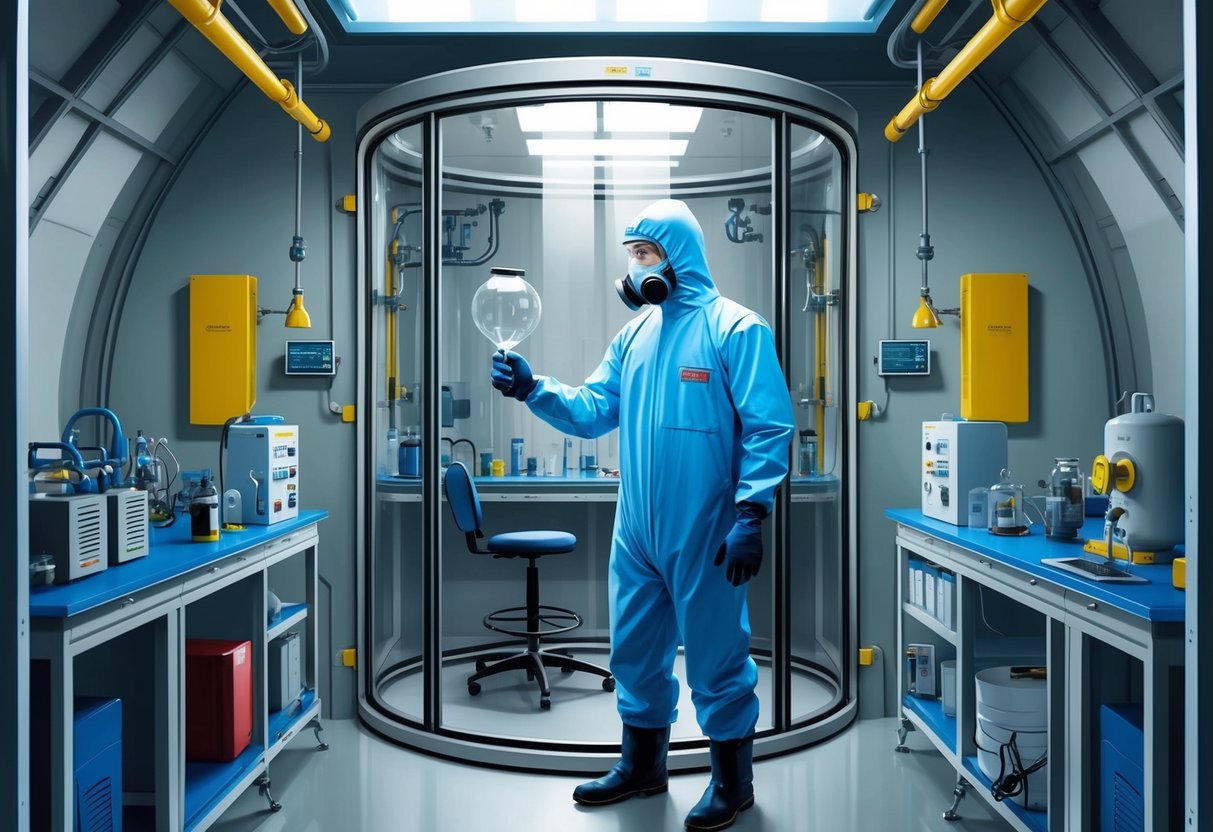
pixel 231 211
pixel 61 30
pixel 989 211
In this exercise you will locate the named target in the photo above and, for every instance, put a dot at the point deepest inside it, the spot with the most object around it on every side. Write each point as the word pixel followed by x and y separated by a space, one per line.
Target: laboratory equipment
pixel 391 453
pixel 41 569
pixel 218 698
pixel 1065 505
pixel 956 458
pixel 506 309
pixel 74 530
pixel 571 461
pixel 1004 507
pixel 285 675
pixel 498 467
pixel 263 465
pixel 1142 471
pixel 309 358
pixel 904 358
pixel 807 456
pixel 223 347
pixel 97 763
pixel 994 347
pixel 204 514
pixel 978 511
pixel 233 508
pixel 920 665
pixel 1122 751
pixel 517 463
pixel 589 456
pixel 486 462
pixel 126 518
pixel 410 454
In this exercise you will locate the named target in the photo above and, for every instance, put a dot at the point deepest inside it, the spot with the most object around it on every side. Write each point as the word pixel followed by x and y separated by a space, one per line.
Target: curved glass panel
pixel 397 569
pixel 814 366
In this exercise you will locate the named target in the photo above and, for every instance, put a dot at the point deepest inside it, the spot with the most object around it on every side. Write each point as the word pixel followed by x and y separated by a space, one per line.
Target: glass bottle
pixel 807 458
pixel 1065 504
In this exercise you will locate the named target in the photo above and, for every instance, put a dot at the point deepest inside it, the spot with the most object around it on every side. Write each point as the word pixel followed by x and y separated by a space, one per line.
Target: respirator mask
pixel 646 284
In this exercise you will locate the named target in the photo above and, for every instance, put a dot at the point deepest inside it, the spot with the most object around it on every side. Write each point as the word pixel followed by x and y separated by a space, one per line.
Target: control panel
pixel 956 457
pixel 263 465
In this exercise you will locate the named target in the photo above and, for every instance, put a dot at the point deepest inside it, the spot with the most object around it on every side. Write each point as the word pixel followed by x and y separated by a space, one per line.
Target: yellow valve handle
pixel 1101 475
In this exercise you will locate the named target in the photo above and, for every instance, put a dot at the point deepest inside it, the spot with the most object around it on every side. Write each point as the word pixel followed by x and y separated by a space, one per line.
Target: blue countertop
pixel 171 554
pixel 1156 601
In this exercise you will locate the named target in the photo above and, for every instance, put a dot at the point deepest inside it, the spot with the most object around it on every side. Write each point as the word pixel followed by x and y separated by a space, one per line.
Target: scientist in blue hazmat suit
pixel 695 388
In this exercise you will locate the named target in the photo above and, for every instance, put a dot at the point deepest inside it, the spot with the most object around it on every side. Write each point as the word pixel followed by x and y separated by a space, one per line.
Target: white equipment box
pixel 263 465
pixel 958 457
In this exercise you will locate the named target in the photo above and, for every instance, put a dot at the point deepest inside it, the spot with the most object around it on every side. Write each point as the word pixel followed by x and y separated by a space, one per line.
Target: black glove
pixel 742 548
pixel 512 375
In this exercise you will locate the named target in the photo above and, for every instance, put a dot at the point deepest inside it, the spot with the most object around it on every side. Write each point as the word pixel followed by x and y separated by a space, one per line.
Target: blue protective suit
pixel 705 421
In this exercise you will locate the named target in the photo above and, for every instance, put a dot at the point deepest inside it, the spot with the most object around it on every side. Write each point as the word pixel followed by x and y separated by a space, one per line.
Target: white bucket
pixel 1014 720
pixel 995 687
pixel 1031 746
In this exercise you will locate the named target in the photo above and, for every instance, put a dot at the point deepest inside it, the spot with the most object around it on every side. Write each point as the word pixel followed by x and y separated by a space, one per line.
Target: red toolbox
pixel 218 698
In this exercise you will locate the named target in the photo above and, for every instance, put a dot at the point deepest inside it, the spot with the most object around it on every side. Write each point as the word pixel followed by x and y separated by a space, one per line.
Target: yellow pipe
pixel 1008 16
pixel 926 15
pixel 216 28
pixel 289 13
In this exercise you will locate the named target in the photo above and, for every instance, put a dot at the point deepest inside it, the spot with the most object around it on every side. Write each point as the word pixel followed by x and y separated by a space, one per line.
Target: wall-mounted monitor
pixel 310 358
pixel 904 358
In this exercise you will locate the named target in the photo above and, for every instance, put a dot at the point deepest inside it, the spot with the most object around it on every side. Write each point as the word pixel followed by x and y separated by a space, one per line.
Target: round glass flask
pixel 506 308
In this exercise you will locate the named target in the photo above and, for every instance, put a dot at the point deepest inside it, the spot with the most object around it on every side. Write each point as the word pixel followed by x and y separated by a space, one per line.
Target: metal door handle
pixel 126 602
pixel 1032 582
pixel 1092 606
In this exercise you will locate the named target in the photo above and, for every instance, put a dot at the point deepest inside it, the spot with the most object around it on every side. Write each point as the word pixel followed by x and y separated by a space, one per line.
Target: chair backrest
pixel 464 502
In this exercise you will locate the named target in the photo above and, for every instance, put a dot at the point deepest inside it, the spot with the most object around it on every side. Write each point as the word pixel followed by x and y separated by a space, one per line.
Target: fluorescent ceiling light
pixel 606 147
pixel 661 11
pixel 610 163
pixel 564 117
pixel 649 117
pixel 555 11
pixel 794 11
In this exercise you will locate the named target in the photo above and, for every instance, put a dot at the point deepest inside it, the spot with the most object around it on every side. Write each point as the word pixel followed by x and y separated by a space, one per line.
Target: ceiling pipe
pixel 1008 16
pixel 207 19
pixel 927 14
pixel 288 12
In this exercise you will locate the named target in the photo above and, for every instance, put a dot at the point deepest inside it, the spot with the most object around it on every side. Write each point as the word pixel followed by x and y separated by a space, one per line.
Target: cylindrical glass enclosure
pixel 538 166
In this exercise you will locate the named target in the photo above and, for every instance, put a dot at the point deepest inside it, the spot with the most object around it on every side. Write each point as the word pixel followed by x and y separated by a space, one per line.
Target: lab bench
pixel 1101 643
pixel 122 633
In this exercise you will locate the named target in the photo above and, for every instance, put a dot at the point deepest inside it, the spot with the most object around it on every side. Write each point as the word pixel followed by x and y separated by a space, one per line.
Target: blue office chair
pixel 539 620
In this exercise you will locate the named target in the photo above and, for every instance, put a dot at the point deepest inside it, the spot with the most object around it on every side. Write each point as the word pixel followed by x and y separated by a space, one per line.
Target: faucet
pixel 1113 517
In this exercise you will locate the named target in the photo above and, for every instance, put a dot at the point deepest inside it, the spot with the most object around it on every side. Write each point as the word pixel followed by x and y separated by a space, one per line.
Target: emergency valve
pixel 1119 473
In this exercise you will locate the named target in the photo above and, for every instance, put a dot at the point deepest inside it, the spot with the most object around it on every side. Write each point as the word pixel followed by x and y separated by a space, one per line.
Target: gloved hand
pixel 742 548
pixel 512 375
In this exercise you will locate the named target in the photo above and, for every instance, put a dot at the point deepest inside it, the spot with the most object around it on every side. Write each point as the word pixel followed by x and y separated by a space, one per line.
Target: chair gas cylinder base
pixel 533 621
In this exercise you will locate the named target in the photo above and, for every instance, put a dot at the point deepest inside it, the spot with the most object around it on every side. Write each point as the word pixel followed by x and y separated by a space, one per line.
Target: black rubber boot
pixel 641 771
pixel 731 791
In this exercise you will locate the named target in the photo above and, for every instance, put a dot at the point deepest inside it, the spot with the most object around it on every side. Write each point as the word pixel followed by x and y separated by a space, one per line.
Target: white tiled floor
pixel 851 782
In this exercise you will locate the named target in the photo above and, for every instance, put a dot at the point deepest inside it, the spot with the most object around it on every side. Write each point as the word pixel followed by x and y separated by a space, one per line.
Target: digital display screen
pixel 904 358
pixel 310 358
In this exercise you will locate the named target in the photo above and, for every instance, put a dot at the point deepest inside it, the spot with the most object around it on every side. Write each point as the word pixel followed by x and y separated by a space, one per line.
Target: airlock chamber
pixel 539 166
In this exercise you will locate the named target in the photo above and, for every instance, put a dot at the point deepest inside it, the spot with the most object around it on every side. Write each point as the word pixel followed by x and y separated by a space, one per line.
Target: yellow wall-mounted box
pixel 223 347
pixel 994 347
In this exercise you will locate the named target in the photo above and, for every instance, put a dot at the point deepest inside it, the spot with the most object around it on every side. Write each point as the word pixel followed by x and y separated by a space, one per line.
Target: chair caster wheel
pixel 480 665
pixel 473 688
pixel 545 703
pixel 275 806
pixel 608 684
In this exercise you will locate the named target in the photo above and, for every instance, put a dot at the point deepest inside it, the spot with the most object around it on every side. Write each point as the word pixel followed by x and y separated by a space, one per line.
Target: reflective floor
pixel 851 782
pixel 508 704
